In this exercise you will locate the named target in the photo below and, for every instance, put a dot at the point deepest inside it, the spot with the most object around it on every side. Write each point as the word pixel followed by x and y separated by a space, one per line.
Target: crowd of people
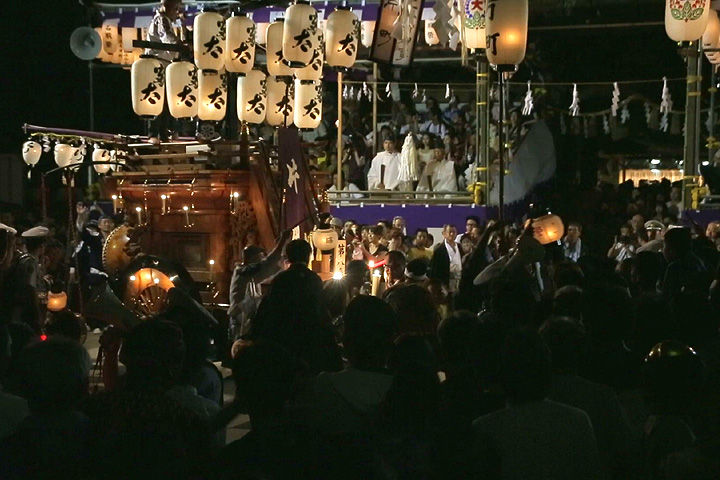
pixel 481 354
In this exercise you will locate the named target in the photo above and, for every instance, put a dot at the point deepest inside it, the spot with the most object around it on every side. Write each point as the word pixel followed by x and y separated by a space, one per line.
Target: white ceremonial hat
pixel 36 232
pixel 7 228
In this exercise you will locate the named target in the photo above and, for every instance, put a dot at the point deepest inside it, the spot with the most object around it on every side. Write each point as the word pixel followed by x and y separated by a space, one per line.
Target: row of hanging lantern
pixel 117 44
pixel 291 93
pixel 66 155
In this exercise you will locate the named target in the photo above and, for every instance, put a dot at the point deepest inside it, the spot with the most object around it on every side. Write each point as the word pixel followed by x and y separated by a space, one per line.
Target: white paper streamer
pixel 575 105
pixel 615 99
pixel 606 125
pixel 624 114
pixel 528 105
pixel 415 92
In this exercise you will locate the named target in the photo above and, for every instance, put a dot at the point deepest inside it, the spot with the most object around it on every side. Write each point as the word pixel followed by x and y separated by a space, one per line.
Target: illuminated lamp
pixel 147 83
pixel 182 89
pixel 299 34
pixel 209 41
pixel 548 229
pixel 343 32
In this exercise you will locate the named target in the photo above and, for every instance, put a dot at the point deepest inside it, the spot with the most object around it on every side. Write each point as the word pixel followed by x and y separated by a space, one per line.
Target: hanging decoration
pixel 575 105
pixel 447 91
pixel 665 106
pixel 711 37
pixel 182 89
pixel 431 37
pixel 252 97
pixel 615 99
pixel 63 154
pixel 366 89
pixel 147 83
pixel 366 34
pixel 394 41
pixel 441 25
pixel 261 33
pixel 280 100
pixel 209 41
pixel 624 114
pixel 299 34
pixel 31 152
pixel 528 103
pixel 240 44
pixel 213 96
pixel 276 64
pixel 686 20
pixel 110 38
pixel 343 30
pixel 506 26
pixel 606 125
pixel 308 104
pixel 455 25
pixel 388 90
pixel 474 25
pixel 100 157
pixel 415 92
pixel 314 70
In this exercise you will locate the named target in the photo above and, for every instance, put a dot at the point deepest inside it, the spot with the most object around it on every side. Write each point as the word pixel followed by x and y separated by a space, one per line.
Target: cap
pixel 654 225
pixel 336 222
pixel 36 232
pixel 7 228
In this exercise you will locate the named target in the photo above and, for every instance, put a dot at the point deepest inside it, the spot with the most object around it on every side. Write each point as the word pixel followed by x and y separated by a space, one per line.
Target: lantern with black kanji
pixel 686 20
pixel 213 95
pixel 209 41
pixel 506 24
pixel 280 95
pixel 341 44
pixel 431 37
pixel 252 97
pixel 31 152
pixel 147 81
pixel 100 157
pixel 110 38
pixel 63 154
pixel 314 69
pixel 299 34
pixel 182 89
pixel 308 104
pixel 276 64
pixel 240 44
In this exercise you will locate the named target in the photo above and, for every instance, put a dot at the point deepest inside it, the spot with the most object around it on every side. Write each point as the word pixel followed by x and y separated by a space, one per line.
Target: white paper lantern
pixel 240 44
pixel 31 152
pixel 506 24
pixel 314 69
pixel 209 41
pixel 182 89
pixel 63 154
pixel 299 34
pixel 341 44
pixel 474 26
pixel 711 37
pixel 103 56
pixel 128 36
pixel 252 97
pixel 367 33
pixel 280 95
pixel 686 20
pixel 147 82
pixel 308 104
pixel 431 37
pixel 276 65
pixel 548 229
pixel 261 33
pixel 213 96
pixel 110 38
pixel 77 155
pixel 100 155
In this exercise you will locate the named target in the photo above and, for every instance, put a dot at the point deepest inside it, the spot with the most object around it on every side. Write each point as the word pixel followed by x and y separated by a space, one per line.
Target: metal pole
pixel 691 112
pixel 374 109
pixel 339 130
pixel 501 146
pixel 711 128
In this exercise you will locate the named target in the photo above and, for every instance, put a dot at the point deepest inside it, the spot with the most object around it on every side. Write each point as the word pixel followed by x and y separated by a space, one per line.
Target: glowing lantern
pixel 99 156
pixel 431 37
pixel 77 156
pixel 252 97
pixel 475 25
pixel 506 26
pixel 711 37
pixel 209 41
pixel 325 239
pixel 63 154
pixel 314 69
pixel 343 30
pixel 240 45
pixel 213 96
pixel 280 94
pixel 182 89
pixel 548 229
pixel 685 20
pixel 56 302
pixel 261 33
pixel 128 36
pixel 147 82
pixel 110 38
pixel 367 33
pixel 276 65
pixel 31 152
pixel 308 104
pixel 299 34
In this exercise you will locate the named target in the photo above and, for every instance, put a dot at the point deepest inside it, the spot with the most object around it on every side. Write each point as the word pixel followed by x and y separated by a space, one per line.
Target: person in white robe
pixel 384 172
pixel 438 175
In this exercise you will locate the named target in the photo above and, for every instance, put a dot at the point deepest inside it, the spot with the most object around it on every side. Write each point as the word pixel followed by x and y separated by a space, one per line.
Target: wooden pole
pixel 339 130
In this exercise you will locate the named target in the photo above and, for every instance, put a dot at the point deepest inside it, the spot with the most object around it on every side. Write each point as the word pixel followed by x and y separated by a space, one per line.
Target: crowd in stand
pixel 480 355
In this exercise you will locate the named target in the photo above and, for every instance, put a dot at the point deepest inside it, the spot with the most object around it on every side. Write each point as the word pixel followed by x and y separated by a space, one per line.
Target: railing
pixel 377 197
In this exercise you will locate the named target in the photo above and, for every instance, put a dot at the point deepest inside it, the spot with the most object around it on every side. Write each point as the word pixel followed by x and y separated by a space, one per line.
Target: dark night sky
pixel 44 83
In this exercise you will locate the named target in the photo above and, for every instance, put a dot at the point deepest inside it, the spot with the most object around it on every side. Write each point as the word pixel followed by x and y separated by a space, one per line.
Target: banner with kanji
pixel 297 191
